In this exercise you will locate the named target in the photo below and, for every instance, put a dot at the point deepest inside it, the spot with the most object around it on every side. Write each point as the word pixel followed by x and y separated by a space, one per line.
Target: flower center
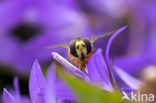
pixel 25 31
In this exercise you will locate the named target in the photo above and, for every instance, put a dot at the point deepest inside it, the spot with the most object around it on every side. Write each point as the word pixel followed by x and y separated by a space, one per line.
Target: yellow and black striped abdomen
pixel 80 47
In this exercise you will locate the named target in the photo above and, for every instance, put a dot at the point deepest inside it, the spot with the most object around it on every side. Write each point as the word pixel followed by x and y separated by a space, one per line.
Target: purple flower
pixel 135 50
pixel 47 90
pixel 100 72
pixel 29 24
pixel 130 49
pixel 98 69
pixel 53 90
pixel 41 89
pixel 14 97
pixel 134 63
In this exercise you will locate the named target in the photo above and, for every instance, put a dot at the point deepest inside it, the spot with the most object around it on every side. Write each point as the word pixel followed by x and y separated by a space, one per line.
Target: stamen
pixel 68 65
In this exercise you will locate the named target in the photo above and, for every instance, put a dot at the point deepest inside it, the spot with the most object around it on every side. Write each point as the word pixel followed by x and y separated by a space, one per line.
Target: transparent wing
pixel 53 46
pixel 57 46
pixel 102 36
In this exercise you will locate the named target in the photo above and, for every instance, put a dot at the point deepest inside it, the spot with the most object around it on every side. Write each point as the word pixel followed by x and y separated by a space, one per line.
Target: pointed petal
pixel 19 98
pixel 111 40
pixel 25 99
pixel 37 84
pixel 50 87
pixel 17 91
pixel 57 88
pixel 7 97
pixel 128 79
pixel 98 72
pixel 70 67
pixel 63 91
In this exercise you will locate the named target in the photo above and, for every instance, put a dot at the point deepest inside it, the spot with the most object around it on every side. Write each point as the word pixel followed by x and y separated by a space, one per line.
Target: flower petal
pixel 128 79
pixel 17 91
pixel 50 87
pixel 98 72
pixel 37 84
pixel 63 91
pixel 7 97
pixel 56 87
pixel 111 40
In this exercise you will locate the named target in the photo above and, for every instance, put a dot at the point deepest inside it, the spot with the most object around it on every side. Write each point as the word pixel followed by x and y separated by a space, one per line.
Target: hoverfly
pixel 81 49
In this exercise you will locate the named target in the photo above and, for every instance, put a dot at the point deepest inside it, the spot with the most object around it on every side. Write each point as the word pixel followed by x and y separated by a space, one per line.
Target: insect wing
pixel 52 46
pixel 102 36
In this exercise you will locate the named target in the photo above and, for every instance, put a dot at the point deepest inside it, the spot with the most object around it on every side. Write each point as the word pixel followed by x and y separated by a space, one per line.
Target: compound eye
pixel 88 45
pixel 73 48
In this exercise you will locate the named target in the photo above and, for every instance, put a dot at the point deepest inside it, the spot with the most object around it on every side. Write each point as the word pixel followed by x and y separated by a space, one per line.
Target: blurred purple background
pixel 29 24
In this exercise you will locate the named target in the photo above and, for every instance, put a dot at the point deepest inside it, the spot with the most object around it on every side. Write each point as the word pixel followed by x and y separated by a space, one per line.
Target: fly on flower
pixel 80 49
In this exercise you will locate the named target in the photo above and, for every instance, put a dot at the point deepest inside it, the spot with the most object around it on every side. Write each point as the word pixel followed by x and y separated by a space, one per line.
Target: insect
pixel 81 49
